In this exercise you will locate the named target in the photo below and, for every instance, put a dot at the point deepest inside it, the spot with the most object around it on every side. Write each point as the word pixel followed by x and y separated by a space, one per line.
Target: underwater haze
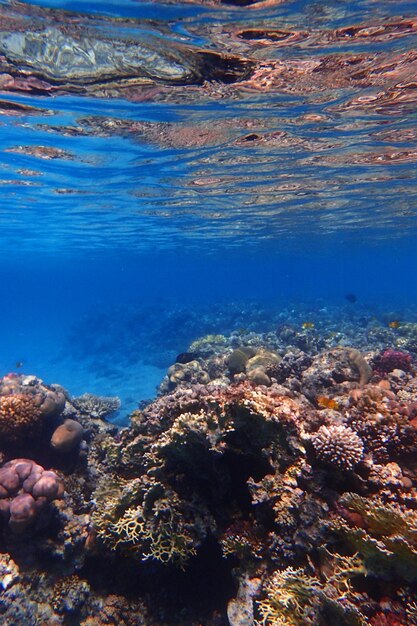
pixel 169 154
pixel 180 180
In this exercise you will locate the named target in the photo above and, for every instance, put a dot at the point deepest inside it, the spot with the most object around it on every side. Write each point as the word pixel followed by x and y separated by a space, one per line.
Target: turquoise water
pixel 163 162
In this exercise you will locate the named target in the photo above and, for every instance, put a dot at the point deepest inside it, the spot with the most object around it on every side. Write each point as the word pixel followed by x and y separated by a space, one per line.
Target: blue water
pixel 128 204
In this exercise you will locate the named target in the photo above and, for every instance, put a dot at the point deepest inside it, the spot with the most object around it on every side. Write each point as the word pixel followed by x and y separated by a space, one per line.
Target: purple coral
pixel 390 360
pixel 26 488
pixel 338 446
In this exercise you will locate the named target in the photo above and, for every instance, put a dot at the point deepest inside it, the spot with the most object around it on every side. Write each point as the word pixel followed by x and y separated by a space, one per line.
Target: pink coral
pixel 25 488
pixel 391 359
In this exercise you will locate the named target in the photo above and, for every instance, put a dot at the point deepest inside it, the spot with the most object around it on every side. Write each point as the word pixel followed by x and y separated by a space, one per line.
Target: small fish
pixel 18 364
pixel 351 297
pixel 394 324
pixel 327 403
pixel 307 325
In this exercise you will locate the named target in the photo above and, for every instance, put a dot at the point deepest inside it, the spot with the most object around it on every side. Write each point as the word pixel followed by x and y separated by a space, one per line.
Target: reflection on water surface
pixel 232 122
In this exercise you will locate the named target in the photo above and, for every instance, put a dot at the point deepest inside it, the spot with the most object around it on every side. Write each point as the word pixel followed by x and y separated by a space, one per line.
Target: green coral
pixel 387 540
pixel 294 598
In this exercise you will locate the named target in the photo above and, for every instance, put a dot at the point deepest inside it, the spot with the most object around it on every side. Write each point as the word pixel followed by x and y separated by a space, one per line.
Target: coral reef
pixel 278 490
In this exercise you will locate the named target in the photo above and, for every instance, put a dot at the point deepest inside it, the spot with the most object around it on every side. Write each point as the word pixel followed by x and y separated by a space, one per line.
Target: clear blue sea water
pixel 163 162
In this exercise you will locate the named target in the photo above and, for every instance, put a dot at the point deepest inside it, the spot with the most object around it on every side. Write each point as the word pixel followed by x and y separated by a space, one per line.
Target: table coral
pixel 98 407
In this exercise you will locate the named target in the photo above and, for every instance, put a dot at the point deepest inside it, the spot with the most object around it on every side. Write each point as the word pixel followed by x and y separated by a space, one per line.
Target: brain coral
pixel 338 446
pixel 19 415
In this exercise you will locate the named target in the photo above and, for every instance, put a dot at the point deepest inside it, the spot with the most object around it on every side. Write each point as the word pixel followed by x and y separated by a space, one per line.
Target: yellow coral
pixel 152 529
pixel 293 598
pixel 203 343
pixel 129 528
pixel 290 595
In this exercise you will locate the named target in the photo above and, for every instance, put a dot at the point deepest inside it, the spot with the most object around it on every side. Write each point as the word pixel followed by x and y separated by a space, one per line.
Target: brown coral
pixel 19 416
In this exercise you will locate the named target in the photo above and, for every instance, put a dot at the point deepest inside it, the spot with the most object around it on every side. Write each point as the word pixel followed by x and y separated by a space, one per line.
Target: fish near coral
pixel 307 325
pixel 327 403
pixel 394 324
pixel 236 361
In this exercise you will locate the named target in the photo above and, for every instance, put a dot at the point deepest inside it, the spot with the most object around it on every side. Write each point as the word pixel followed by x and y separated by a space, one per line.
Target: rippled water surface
pixel 143 126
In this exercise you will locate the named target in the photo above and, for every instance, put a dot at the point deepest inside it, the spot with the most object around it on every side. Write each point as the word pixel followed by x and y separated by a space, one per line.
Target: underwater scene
pixel 208 321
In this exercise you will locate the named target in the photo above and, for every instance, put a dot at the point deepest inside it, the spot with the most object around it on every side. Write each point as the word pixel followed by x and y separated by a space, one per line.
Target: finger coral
pixel 338 446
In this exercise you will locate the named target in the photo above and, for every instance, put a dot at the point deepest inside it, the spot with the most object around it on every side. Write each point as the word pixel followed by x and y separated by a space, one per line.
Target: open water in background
pixel 290 191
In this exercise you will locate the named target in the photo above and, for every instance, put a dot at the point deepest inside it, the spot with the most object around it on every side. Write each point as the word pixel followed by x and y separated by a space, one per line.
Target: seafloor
pixel 272 481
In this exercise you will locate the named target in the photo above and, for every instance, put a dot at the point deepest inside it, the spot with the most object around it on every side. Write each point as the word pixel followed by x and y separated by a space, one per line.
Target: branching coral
pixel 294 598
pixel 338 446
pixel 382 422
pixel 98 407
pixel 390 359
pixel 385 535
pixel 243 540
pixel 147 521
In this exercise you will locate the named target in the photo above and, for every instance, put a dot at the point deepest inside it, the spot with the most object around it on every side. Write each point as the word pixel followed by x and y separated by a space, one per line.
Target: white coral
pixel 338 446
